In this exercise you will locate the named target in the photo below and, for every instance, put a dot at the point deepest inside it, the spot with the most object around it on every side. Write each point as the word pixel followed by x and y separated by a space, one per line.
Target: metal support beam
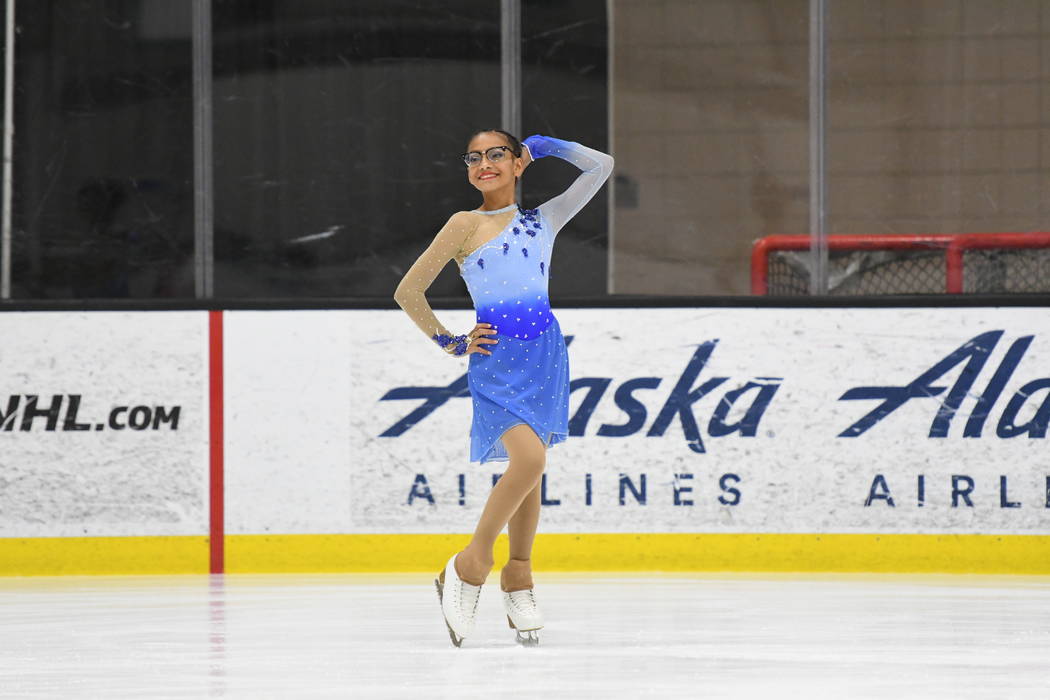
pixel 510 65
pixel 203 191
pixel 510 70
pixel 9 133
pixel 610 110
pixel 818 188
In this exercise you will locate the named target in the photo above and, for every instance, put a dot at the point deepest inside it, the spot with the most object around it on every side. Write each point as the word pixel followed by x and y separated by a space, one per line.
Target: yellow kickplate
pixel 612 552
pixel 984 554
pixel 59 556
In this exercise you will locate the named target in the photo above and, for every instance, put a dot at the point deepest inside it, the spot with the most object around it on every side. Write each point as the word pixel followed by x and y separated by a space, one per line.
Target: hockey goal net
pixel 970 263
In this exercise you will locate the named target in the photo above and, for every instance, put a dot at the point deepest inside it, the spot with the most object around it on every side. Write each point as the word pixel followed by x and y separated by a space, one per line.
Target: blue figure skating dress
pixel 504 256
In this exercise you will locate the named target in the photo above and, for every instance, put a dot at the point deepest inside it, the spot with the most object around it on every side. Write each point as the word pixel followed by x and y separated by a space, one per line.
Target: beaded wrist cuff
pixel 452 344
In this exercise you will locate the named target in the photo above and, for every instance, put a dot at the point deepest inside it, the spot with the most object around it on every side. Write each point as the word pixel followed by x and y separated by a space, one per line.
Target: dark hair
pixel 512 140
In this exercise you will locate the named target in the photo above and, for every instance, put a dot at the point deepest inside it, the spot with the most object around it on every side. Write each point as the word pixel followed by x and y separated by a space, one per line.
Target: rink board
pixel 700 439
pixel 682 420
pixel 104 424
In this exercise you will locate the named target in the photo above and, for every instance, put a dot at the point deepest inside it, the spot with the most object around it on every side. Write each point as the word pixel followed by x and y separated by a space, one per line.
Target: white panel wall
pixel 102 460
pixel 316 438
pixel 313 444
pixel 288 385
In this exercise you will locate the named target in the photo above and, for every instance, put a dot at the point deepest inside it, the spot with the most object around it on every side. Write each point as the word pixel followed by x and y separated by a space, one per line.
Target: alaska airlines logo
pixel 974 353
pixel 750 398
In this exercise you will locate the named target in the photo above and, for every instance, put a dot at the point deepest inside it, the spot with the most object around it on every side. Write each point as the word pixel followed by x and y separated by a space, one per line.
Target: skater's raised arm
pixel 596 167
pixel 411 291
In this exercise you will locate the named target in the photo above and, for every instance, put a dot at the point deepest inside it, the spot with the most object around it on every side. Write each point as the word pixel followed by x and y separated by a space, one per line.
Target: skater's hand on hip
pixel 477 338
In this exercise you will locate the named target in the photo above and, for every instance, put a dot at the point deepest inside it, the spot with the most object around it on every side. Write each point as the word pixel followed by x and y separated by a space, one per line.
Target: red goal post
pixel 907 263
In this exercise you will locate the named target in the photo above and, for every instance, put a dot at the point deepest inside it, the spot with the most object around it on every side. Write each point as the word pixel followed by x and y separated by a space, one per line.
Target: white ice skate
pixel 523 616
pixel 459 602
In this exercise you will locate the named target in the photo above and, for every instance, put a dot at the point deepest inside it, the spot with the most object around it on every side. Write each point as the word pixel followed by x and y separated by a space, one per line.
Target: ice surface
pixel 357 636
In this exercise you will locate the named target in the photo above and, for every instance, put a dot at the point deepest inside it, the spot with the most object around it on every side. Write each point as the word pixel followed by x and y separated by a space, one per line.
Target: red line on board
pixel 217 530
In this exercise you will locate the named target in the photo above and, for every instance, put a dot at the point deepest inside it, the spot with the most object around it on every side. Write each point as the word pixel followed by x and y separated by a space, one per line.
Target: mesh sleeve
pixel 411 291
pixel 596 167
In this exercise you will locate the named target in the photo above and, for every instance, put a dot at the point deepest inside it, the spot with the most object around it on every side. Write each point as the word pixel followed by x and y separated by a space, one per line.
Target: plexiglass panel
pixel 710 108
pixel 565 93
pixel 937 124
pixel 338 127
pixel 103 169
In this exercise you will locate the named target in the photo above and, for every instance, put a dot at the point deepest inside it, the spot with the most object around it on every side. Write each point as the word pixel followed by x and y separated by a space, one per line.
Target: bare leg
pixel 517 574
pixel 527 458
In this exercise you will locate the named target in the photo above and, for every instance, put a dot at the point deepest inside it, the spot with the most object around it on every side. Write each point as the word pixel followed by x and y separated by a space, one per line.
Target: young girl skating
pixel 518 367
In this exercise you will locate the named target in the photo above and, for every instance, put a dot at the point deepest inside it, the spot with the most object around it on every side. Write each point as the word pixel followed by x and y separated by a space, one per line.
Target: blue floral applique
pixel 516 231
pixel 525 252
pixel 541 267
pixel 528 221
pixel 481 263
pixel 506 247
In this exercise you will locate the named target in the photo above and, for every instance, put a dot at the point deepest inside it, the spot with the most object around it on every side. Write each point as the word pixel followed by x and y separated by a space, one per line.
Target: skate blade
pixel 456 641
pixel 526 638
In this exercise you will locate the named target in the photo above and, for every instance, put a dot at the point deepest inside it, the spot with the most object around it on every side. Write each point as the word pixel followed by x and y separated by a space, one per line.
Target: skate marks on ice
pixel 382 637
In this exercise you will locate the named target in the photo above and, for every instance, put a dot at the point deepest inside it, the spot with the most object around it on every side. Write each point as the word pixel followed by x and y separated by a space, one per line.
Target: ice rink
pixel 369 636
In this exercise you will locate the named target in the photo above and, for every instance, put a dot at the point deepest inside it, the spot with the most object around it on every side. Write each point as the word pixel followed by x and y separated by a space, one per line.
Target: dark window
pixel 103 169
pixel 338 127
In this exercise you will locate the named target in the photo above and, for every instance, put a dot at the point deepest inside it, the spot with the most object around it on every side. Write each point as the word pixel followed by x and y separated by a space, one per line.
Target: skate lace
pixel 523 601
pixel 467 597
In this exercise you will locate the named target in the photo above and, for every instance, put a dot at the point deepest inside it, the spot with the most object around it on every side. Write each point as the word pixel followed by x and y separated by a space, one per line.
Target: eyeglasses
pixel 496 154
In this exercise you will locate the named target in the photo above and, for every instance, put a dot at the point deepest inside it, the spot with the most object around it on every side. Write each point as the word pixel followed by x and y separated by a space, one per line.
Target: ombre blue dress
pixel 526 378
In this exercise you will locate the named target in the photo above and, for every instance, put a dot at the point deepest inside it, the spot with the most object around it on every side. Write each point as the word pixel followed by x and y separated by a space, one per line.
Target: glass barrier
pixel 102 165
pixel 565 93
pixel 936 129
pixel 710 108
pixel 337 128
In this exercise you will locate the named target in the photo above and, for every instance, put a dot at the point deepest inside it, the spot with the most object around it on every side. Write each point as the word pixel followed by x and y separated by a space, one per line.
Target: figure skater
pixel 518 369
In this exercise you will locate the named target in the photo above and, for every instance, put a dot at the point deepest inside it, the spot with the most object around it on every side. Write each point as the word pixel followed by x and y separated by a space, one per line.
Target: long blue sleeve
pixel 596 167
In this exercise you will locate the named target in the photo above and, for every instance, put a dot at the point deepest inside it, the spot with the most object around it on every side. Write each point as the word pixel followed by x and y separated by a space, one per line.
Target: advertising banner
pixel 103 424
pixel 732 420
